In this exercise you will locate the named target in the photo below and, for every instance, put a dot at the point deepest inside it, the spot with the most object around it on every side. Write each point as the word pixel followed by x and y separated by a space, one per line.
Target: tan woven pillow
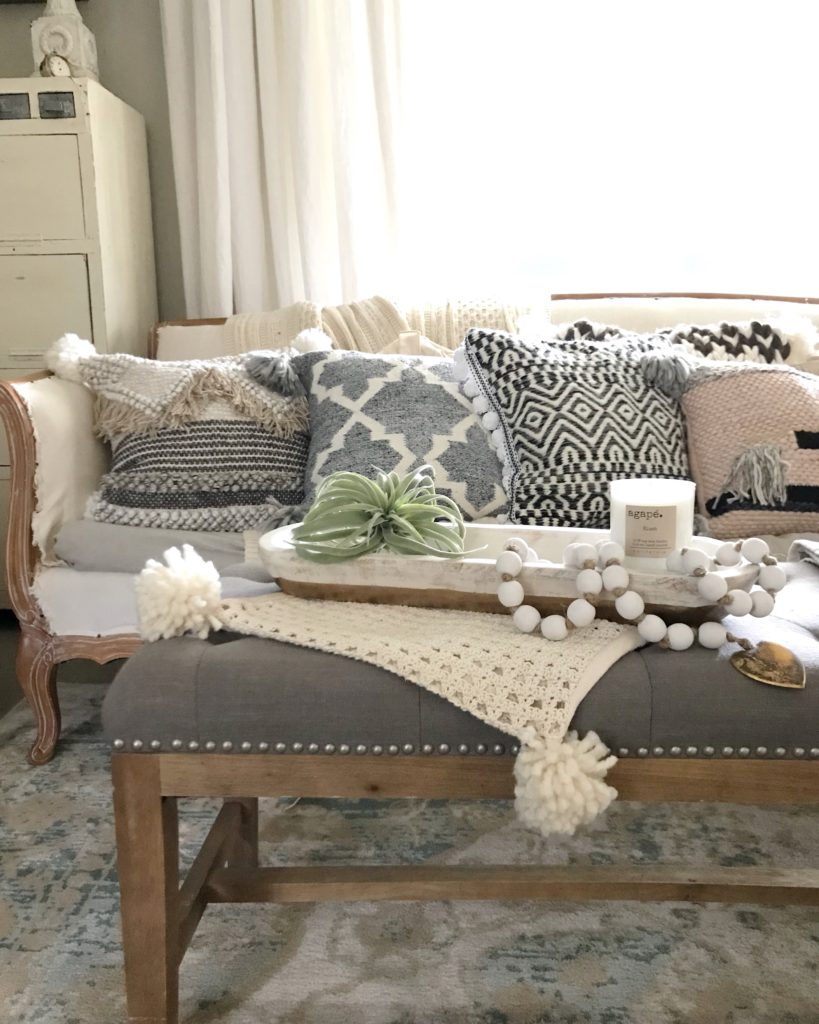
pixel 753 448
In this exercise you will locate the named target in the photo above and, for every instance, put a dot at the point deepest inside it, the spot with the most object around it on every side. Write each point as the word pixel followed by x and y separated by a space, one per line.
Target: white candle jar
pixel 650 518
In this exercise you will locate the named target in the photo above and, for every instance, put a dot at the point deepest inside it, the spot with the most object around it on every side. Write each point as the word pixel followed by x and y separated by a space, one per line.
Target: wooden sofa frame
pixel 40 651
pixel 160 916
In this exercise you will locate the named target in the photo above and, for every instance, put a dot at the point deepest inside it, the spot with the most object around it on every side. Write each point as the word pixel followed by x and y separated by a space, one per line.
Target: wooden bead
pixel 772 577
pixel 589 581
pixel 755 549
pixel 695 559
pixel 581 613
pixel 712 635
pixel 508 563
pixel 739 602
pixel 518 545
pixel 554 627
pixel 680 636
pixel 510 594
pixel 728 555
pixel 585 553
pixel 762 603
pixel 652 629
pixel 630 605
pixel 610 551
pixel 615 577
pixel 526 618
pixel 674 562
pixel 712 586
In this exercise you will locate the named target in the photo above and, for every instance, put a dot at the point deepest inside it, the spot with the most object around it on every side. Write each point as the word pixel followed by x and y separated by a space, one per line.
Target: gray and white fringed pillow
pixel 792 340
pixel 196 445
pixel 568 417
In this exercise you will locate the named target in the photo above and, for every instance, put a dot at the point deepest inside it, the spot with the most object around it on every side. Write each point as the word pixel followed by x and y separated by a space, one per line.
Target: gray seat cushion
pixel 237 690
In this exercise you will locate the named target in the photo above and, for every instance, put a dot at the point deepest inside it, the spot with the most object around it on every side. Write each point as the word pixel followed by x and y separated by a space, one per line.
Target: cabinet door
pixel 40 188
pixel 41 298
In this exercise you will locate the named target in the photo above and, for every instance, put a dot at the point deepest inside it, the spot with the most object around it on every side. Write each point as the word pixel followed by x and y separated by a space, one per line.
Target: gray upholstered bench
pixel 240 717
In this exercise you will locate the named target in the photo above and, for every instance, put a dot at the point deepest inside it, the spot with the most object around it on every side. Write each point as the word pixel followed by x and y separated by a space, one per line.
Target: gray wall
pixel 129 40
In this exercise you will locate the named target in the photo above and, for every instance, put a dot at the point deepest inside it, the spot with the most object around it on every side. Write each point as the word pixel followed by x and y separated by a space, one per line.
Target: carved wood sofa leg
pixel 148 866
pixel 37 675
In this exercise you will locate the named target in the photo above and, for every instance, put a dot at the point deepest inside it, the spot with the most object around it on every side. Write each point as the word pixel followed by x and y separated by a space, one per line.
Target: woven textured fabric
pixel 446 323
pixel 371 412
pixel 751 341
pixel 732 411
pixel 568 417
pixel 196 445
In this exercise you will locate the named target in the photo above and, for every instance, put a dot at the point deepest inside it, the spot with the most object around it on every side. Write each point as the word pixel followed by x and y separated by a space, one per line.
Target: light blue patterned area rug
pixel 397 963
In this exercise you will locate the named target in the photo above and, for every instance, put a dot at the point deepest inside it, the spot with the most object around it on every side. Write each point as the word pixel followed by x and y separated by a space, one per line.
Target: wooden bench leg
pixel 148 866
pixel 245 850
pixel 37 676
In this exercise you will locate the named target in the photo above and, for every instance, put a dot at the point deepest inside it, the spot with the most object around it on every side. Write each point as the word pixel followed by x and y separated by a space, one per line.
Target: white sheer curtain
pixel 329 149
pixel 284 123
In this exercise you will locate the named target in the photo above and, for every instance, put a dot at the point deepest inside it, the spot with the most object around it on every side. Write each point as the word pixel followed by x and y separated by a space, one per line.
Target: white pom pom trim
pixel 63 357
pixel 181 596
pixel 312 339
pixel 559 783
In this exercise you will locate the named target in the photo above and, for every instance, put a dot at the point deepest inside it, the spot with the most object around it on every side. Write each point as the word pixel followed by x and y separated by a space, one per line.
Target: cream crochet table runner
pixel 521 684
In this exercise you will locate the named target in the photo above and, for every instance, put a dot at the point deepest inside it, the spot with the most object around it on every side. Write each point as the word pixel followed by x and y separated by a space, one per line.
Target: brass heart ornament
pixel 771 664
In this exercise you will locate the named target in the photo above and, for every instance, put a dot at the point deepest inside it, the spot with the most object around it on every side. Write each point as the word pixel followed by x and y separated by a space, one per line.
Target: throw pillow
pixel 753 444
pixel 196 445
pixel 391 412
pixel 568 417
pixel 793 340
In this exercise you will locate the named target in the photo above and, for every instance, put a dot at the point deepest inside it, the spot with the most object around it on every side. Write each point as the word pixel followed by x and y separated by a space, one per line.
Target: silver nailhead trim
pixel 780 751
pixel 119 744
pixel 297 748
pixel 176 744
pixel 246 746
pixel 408 748
pixel 264 746
pixel 136 744
pixel 280 748
pixel 481 748
pixel 193 745
pixel 761 751
pixel 798 751
pixel 344 748
pixel 210 745
pixel 463 748
pixel 622 752
pixel 312 748
pixel 744 751
pixel 361 749
pixel 329 748
pixel 156 744
pixel 378 749
pixel 642 751
pixel 514 750
pixel 393 749
pixel 708 751
pixel 498 748
pixel 727 751
pixel 227 745
pixel 443 748
pixel 691 751
pixel 676 751
pixel 658 751
pixel 427 748
pixel 814 751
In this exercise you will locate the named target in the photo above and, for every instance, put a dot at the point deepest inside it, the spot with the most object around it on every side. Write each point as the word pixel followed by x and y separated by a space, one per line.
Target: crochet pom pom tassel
pixel 559 782
pixel 64 356
pixel 182 596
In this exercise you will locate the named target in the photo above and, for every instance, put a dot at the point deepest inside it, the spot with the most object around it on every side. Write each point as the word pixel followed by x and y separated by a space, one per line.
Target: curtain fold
pixel 285 118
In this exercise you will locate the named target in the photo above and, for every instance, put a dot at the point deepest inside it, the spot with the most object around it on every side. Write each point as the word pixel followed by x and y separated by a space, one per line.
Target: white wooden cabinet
pixel 76 242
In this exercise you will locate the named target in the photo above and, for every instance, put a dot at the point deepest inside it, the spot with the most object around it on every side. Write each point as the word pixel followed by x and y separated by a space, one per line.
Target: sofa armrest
pixel 56 463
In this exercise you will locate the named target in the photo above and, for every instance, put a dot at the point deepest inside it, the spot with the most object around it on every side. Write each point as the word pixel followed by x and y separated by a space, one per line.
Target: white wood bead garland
pixel 600 570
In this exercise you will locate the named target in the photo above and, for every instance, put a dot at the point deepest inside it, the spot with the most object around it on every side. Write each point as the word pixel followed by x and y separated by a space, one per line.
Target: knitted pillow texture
pixel 391 412
pixel 793 340
pixel 568 417
pixel 196 445
pixel 753 443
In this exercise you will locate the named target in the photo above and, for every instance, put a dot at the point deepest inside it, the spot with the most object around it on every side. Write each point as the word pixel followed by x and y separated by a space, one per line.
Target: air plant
pixel 353 516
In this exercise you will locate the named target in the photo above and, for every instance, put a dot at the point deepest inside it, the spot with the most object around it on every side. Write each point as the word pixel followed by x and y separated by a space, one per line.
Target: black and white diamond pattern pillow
pixel 568 417
pixel 394 412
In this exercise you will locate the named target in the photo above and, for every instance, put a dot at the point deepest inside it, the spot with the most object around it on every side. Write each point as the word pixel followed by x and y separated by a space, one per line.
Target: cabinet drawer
pixel 41 298
pixel 40 188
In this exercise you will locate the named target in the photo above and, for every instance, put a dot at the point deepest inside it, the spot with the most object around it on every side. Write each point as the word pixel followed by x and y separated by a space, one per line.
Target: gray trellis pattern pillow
pixel 370 412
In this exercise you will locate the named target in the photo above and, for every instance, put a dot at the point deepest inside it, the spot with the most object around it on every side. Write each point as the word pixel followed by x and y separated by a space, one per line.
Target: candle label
pixel 651 530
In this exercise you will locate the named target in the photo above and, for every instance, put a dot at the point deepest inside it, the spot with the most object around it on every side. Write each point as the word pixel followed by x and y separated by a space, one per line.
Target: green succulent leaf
pixel 353 515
